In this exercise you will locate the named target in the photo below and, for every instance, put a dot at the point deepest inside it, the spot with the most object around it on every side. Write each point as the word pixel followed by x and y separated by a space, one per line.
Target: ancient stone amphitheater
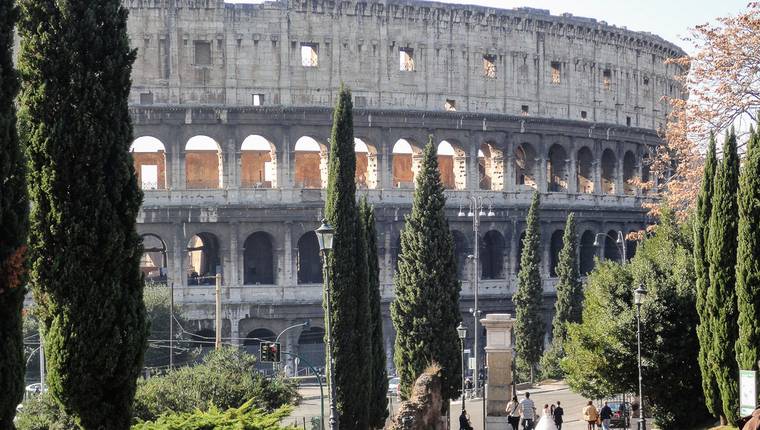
pixel 232 111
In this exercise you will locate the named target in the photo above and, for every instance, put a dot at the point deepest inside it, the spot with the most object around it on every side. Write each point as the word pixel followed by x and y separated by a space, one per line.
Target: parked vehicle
pixel 393 386
pixel 621 414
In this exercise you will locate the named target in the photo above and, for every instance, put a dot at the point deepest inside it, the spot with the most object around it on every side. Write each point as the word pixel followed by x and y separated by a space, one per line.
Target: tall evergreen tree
pixel 14 219
pixel 528 299
pixel 702 274
pixel 425 311
pixel 347 269
pixel 748 258
pixel 378 411
pixel 721 295
pixel 567 308
pixel 75 63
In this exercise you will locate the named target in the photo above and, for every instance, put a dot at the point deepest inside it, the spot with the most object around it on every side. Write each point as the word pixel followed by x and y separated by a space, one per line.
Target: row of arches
pixel 204 165
pixel 260 263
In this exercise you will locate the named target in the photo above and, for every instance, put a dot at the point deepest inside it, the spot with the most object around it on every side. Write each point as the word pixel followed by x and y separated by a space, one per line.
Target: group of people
pixel 524 412
pixel 597 419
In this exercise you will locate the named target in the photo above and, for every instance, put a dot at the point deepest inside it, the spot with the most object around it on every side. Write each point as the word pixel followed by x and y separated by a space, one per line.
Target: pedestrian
pixel 527 412
pixel 558 413
pixel 606 415
pixel 590 415
pixel 464 421
pixel 513 413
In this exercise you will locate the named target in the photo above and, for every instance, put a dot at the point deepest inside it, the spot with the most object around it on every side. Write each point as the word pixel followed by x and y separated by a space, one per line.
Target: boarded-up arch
pixel 404 163
pixel 258 163
pixel 366 165
pixel 452 165
pixel 310 163
pixel 203 163
pixel 149 157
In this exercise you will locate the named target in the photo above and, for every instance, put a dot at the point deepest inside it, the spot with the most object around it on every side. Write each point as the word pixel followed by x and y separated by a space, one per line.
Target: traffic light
pixel 269 352
pixel 274 352
pixel 264 352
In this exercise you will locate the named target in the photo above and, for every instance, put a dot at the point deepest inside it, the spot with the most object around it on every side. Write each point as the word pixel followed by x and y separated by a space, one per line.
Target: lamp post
pixel 475 212
pixel 620 241
pixel 638 297
pixel 277 339
pixel 325 234
pixel 462 332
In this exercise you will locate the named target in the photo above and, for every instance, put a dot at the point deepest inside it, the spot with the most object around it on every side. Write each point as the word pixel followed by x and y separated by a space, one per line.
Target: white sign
pixel 747 392
pixel 472 363
pixel 467 351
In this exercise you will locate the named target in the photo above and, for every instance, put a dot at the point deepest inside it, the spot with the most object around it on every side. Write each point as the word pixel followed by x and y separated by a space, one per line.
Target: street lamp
pixel 620 241
pixel 638 297
pixel 476 210
pixel 462 332
pixel 325 234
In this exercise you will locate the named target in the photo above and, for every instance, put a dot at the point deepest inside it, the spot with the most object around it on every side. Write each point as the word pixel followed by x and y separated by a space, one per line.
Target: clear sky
pixel 669 19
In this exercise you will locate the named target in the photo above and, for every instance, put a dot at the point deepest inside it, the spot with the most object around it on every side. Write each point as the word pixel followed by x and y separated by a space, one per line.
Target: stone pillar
pixel 499 361
pixel 572 173
pixel 286 259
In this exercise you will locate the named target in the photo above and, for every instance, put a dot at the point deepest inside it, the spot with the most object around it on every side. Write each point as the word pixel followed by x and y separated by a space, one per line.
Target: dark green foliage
pixel 567 308
pixel 702 273
pixel 425 311
pixel 246 417
pixel 378 411
pixel 75 64
pixel 347 270
pixel 748 258
pixel 721 296
pixel 41 412
pixel 601 351
pixel 14 223
pixel 528 299
pixel 227 378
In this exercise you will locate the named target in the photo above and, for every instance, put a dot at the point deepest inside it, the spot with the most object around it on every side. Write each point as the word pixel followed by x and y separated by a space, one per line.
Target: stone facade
pixel 234 101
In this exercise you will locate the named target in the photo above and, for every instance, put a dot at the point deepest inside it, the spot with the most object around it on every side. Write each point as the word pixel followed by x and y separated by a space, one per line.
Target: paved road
pixel 551 393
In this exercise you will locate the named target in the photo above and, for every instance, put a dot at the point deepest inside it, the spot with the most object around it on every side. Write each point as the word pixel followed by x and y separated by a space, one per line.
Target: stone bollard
pixel 499 361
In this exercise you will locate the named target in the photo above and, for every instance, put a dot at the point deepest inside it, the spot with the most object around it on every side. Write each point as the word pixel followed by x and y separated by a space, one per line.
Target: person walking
pixel 513 413
pixel 590 415
pixel 464 421
pixel 606 415
pixel 527 412
pixel 558 413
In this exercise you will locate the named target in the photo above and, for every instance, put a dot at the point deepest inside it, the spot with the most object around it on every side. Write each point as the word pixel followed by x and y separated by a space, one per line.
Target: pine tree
pixel 721 295
pixel 748 258
pixel 425 311
pixel 378 374
pixel 14 219
pixel 347 270
pixel 701 270
pixel 528 299
pixel 75 64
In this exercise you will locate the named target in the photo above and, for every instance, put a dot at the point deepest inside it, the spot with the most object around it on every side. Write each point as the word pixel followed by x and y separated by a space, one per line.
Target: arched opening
pixel 555 248
pixel 556 169
pixel 587 252
pixel 461 250
pixel 311 346
pixel 258 163
pixel 258 259
pixel 203 163
pixel 153 261
pixel 252 345
pixel 629 173
pixel 404 164
pixel 366 165
pixel 203 261
pixel 490 167
pixel 149 157
pixel 492 256
pixel 310 164
pixel 525 166
pixel 309 262
pixel 452 165
pixel 645 166
pixel 585 171
pixel 609 167
pixel 611 247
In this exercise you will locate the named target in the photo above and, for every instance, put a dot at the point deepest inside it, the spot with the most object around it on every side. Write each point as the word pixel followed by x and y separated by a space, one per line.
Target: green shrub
pixel 245 417
pixel 41 412
pixel 227 378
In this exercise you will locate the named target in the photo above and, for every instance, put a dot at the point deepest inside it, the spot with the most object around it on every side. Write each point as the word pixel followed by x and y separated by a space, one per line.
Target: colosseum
pixel 231 106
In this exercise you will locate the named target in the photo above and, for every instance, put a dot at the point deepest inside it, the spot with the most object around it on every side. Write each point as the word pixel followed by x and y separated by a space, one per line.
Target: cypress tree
pixel 425 311
pixel 721 295
pixel 378 374
pixel 14 219
pixel 567 308
pixel 347 269
pixel 75 64
pixel 701 271
pixel 528 299
pixel 748 258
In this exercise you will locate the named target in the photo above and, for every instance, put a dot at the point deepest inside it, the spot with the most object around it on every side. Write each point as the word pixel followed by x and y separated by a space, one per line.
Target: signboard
pixel 471 364
pixel 467 351
pixel 747 392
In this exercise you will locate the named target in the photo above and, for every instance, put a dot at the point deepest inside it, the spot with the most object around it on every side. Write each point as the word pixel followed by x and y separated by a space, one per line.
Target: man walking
pixel 558 413
pixel 528 412
pixel 606 415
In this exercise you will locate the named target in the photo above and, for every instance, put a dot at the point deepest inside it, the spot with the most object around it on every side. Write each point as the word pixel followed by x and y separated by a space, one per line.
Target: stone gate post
pixel 499 361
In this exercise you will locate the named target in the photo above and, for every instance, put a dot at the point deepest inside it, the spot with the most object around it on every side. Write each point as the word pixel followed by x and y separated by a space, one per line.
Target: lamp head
pixel 325 234
pixel 639 294
pixel 461 331
pixel 490 211
pixel 461 212
pixel 597 243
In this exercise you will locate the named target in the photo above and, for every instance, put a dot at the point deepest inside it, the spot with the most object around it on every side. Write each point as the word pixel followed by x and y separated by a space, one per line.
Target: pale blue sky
pixel 669 19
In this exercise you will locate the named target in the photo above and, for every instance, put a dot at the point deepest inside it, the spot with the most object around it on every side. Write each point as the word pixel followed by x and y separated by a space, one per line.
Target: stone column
pixel 572 172
pixel 499 361
pixel 286 259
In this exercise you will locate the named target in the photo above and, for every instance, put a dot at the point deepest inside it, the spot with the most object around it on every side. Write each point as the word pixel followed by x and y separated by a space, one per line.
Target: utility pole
pixel 42 364
pixel 218 340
